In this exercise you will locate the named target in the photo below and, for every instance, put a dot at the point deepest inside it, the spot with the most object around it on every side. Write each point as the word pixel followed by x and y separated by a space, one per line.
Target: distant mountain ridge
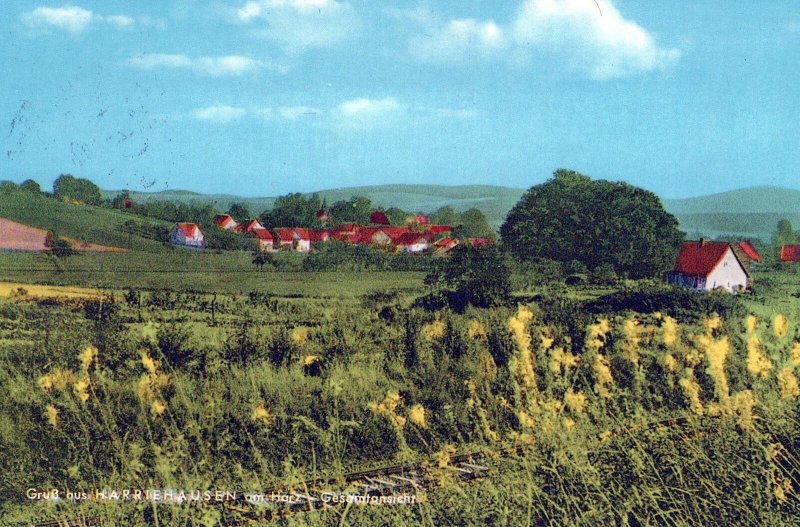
pixel 744 213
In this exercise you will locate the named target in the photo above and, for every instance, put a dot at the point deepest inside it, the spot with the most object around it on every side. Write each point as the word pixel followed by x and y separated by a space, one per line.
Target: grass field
pixel 228 273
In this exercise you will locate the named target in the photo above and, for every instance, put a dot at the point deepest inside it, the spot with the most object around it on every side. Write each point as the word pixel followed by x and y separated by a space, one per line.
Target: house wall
pixel 177 237
pixel 728 274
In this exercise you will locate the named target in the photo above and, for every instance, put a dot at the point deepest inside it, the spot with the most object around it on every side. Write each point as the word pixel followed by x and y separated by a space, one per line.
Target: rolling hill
pixel 746 213
pixel 80 222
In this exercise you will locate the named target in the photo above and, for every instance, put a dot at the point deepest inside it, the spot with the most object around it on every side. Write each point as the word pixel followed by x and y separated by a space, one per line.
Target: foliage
pixel 571 217
pixel 293 210
pixel 67 186
pixel 355 210
pixel 239 212
pixel 477 275
pixel 30 185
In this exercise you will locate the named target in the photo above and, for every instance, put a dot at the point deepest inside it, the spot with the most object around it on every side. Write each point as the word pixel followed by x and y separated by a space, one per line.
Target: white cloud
pixel 122 21
pixel 225 66
pixel 300 24
pixel 76 20
pixel 219 113
pixel 594 38
pixel 590 37
pixel 462 39
pixel 366 113
pixel 69 18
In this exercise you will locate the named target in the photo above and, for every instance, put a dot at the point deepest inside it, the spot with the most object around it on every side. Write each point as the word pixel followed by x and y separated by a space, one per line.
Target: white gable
pixel 728 274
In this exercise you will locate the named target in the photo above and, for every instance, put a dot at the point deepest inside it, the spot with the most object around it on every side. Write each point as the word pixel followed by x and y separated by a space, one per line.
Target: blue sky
pixel 266 97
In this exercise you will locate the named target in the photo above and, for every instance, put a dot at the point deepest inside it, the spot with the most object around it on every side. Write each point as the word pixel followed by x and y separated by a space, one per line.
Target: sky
pixel 267 97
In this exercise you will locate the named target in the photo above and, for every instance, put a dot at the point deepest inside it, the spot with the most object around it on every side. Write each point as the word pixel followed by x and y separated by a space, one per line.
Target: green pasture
pixel 184 270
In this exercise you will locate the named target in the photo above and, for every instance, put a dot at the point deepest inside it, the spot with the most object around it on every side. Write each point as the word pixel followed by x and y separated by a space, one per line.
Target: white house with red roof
pixel 413 242
pixel 707 265
pixel 302 239
pixel 265 240
pixel 187 235
pixel 225 221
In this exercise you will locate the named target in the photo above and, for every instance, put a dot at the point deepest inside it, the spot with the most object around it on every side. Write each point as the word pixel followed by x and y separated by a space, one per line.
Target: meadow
pixel 218 376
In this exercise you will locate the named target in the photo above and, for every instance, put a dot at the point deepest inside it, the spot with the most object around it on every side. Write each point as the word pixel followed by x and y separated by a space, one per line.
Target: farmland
pixel 204 373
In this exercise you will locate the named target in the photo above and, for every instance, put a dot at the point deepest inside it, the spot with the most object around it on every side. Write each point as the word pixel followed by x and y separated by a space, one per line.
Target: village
pixel 417 236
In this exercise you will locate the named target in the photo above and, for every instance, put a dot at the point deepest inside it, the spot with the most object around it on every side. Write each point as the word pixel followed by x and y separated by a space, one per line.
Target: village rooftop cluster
pixel 416 237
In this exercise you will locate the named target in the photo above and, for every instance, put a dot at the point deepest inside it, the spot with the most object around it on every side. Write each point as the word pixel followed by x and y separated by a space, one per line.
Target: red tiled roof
pixel 480 242
pixel 189 230
pixel 319 235
pixel 263 234
pixel 790 253
pixel 285 235
pixel 438 229
pixel 410 238
pixel 222 219
pixel 301 233
pixel 700 258
pixel 248 226
pixel 748 249
pixel 422 219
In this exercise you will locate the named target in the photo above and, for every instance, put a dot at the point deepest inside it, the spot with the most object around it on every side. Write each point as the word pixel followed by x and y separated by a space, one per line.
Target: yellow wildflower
pixel 261 414
pixel 299 335
pixel 712 323
pixel 782 489
pixel 569 423
pixel 416 414
pixel 59 380
pixel 671 331
pixel 88 356
pixel 158 407
pixel 575 401
pixel 780 325
pixel 149 364
pixel 692 391
pixel 597 334
pixel 522 364
pixel 308 360
pixel 743 403
pixel 388 408
pixel 52 415
pixel 789 386
pixel 716 353
pixel 563 359
pixel 603 378
pixel 81 389
pixel 670 363
pixel 752 323
pixel 757 363
pixel 434 330
pixel 630 348
pixel 476 329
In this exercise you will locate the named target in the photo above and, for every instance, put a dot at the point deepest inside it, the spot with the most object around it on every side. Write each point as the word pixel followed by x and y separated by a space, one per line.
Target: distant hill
pixel 494 201
pixel 746 213
pixel 81 222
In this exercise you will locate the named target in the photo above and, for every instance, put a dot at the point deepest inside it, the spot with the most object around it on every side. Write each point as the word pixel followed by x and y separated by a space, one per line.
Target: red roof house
pixel 749 250
pixel 188 235
pixel 707 265
pixel 265 240
pixel 224 221
pixel 790 253
pixel 248 226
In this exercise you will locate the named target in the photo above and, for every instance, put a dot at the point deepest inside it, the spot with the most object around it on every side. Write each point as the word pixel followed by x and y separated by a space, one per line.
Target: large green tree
pixel 68 186
pixel 293 210
pixel 599 223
